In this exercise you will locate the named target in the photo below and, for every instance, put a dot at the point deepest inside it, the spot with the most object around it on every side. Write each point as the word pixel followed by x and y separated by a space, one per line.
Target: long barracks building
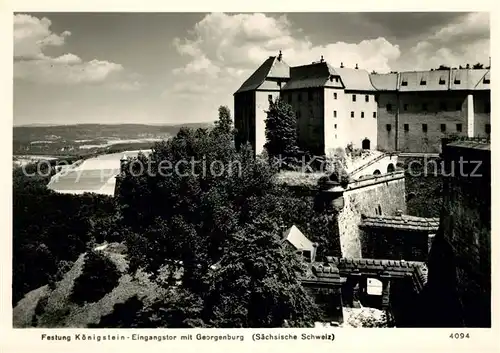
pixel 406 111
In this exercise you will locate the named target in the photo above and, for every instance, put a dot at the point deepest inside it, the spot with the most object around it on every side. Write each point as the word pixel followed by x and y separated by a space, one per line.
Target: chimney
pixel 321 60
pixel 356 66
pixel 313 254
pixel 280 56
pixel 123 163
pixel 341 65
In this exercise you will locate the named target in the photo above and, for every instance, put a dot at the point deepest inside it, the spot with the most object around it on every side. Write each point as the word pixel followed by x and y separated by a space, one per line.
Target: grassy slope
pixel 59 311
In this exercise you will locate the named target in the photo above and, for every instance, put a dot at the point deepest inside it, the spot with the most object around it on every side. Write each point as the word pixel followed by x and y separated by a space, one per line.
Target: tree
pixel 225 124
pixel 99 277
pixel 194 219
pixel 256 283
pixel 50 230
pixel 477 66
pixel 281 130
pixel 443 67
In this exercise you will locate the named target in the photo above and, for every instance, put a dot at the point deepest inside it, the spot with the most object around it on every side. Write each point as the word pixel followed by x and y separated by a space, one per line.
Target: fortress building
pixel 337 106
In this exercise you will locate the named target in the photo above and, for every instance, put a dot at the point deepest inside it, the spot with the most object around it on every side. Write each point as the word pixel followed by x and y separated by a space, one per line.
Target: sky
pixel 171 68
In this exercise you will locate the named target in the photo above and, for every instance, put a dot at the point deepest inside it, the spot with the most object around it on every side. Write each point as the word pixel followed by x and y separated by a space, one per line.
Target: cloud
pixel 32 35
pixel 127 86
pixel 465 40
pixel 229 47
pixel 189 90
pixel 65 70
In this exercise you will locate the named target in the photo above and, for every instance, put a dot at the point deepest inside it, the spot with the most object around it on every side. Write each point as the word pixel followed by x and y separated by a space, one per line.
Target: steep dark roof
pixel 321 74
pixel 309 76
pixel 330 272
pixel 403 222
pixel 322 274
pixel 271 68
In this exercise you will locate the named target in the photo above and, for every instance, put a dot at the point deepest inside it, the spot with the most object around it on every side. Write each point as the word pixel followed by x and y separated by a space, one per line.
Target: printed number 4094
pixel 460 335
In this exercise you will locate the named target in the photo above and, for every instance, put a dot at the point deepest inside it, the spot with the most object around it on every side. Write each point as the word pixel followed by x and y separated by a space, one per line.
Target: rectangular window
pixel 334 113
pixel 423 83
pixel 407 127
pixel 388 127
pixel 388 107
pixel 404 83
pixel 270 97
pixel 335 126
pixel 442 81
pixel 352 114
pixel 457 81
pixel 442 106
pixel 336 79
pixel 486 81
pixel 367 98
pixel 459 127
pixel 424 107
pixel 487 128
pixel 424 127
pixel 405 107
pixel 354 98
pixel 362 114
pixel 335 95
pixel 375 114
pixel 443 127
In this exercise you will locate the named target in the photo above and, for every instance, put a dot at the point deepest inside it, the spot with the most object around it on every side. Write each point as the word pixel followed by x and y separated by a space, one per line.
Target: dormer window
pixel 486 81
pixel 442 81
pixel 423 83
pixel 404 83
pixel 457 81
pixel 336 79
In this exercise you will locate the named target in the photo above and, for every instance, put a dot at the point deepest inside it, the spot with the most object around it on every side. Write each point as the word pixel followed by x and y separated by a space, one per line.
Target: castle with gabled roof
pixel 338 106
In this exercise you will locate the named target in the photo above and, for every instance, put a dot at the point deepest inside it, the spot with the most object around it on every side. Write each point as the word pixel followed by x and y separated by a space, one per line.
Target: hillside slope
pixel 52 308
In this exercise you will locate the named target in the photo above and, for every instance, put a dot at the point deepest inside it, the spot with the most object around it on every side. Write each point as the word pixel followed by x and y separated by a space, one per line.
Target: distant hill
pixel 93 131
pixel 75 139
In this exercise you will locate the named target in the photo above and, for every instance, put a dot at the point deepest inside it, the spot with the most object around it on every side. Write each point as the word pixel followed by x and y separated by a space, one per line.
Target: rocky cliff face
pixel 460 258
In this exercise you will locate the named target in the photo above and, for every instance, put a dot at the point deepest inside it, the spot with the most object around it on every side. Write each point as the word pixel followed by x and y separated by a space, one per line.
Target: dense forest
pixel 50 230
pixel 224 230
